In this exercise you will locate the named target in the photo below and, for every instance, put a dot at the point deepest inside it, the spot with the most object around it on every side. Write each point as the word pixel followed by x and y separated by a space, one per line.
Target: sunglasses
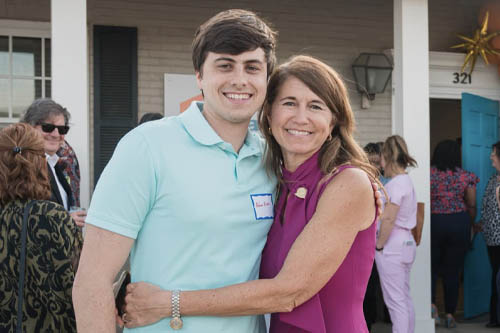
pixel 48 128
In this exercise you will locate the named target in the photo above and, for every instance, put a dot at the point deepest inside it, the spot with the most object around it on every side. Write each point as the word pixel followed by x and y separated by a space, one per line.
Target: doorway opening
pixel 446 124
pixel 445 120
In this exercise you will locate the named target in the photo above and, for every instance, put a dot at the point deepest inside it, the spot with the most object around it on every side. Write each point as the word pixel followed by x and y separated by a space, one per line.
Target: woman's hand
pixel 145 304
pixel 378 199
pixel 477 227
pixel 79 217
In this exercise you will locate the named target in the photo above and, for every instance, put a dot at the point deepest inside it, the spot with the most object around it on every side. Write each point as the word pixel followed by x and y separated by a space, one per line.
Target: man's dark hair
pixel 149 117
pixel 447 156
pixel 372 148
pixel 233 32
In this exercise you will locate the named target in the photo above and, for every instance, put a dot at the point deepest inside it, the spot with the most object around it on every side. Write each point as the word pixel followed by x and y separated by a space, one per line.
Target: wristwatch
pixel 379 248
pixel 176 321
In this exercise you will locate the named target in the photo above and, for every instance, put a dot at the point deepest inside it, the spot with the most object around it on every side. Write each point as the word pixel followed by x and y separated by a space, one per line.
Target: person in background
pixel 51 120
pixel 383 178
pixel 490 225
pixel 497 191
pixel 453 209
pixel 373 152
pixel 52 241
pixel 149 117
pixel 396 247
pixel 70 170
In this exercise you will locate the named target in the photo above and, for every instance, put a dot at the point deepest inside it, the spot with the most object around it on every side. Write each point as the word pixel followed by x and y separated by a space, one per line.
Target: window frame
pixel 28 29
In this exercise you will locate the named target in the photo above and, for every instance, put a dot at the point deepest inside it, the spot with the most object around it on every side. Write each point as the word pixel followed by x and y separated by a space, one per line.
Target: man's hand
pixel 145 304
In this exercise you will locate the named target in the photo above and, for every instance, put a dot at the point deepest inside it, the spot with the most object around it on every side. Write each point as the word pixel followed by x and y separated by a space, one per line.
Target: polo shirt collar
pixel 199 128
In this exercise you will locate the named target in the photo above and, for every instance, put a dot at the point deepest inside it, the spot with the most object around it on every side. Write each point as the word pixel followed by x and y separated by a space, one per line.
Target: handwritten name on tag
pixel 262 206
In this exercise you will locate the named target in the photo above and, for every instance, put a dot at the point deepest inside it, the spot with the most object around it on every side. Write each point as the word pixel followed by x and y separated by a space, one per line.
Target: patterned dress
pixel 490 214
pixel 448 190
pixel 51 257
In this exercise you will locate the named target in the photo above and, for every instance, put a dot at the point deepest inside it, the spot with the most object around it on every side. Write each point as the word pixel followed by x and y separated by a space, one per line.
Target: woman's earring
pixel 269 129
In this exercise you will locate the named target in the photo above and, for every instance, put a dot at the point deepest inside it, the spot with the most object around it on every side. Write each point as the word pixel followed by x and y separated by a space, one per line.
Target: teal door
pixel 479 132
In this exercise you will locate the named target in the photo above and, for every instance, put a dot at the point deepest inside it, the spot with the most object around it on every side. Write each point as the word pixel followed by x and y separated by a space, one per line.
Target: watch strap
pixel 176 321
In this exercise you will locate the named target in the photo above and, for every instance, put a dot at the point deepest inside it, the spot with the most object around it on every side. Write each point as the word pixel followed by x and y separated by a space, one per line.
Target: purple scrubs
pixel 395 260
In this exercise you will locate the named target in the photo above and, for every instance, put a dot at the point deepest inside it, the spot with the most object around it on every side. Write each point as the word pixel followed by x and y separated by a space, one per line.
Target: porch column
pixel 70 78
pixel 411 121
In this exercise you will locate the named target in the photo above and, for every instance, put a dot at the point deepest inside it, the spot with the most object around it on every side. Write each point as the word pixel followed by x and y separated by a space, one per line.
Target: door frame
pixel 443 65
pixel 485 80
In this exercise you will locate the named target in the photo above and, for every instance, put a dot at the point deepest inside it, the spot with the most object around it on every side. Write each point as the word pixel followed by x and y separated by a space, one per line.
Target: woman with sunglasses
pixel 51 120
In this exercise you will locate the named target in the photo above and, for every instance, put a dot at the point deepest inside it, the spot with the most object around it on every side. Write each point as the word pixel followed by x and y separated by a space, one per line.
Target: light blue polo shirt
pixel 199 212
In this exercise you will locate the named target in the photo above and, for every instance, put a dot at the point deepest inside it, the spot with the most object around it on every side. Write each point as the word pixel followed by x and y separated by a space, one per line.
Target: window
pixel 25 71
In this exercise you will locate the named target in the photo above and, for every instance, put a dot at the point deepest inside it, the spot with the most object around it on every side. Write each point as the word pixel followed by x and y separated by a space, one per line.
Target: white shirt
pixel 52 160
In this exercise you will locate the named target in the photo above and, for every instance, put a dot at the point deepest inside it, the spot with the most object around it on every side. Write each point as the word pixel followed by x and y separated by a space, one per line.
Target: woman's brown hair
pixel 327 85
pixel 395 152
pixel 23 168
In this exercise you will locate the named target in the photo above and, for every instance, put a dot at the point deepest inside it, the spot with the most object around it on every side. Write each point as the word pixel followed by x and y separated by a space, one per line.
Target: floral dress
pixel 448 190
pixel 52 250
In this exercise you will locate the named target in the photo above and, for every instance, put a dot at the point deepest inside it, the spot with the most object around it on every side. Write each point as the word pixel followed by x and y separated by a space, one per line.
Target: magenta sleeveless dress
pixel 338 307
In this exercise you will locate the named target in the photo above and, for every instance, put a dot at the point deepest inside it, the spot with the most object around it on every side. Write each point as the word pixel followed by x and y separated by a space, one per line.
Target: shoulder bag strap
pixel 22 268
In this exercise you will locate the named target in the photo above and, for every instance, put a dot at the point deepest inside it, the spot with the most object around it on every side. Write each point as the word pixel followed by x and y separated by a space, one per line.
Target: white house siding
pixel 30 10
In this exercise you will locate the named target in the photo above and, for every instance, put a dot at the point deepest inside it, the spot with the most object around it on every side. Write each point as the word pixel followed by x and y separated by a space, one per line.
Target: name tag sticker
pixel 262 206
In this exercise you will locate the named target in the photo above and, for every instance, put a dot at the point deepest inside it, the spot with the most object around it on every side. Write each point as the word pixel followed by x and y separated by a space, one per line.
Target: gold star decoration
pixel 478 45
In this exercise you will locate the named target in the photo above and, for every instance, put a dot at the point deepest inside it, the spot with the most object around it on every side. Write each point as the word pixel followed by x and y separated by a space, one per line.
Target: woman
pixel 320 249
pixel 51 120
pixel 395 251
pixel 51 245
pixel 453 208
pixel 490 221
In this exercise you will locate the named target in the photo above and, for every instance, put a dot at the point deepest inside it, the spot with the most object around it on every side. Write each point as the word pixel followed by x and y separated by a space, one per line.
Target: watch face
pixel 176 323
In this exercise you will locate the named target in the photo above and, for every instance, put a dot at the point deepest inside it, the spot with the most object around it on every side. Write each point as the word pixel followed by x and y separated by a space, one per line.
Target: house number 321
pixel 462 78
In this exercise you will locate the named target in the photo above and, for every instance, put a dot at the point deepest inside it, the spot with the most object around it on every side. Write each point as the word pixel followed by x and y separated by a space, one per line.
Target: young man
pixel 188 194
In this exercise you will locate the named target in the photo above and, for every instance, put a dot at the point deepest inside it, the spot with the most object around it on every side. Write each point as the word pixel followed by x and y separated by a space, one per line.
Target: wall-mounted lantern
pixel 372 72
